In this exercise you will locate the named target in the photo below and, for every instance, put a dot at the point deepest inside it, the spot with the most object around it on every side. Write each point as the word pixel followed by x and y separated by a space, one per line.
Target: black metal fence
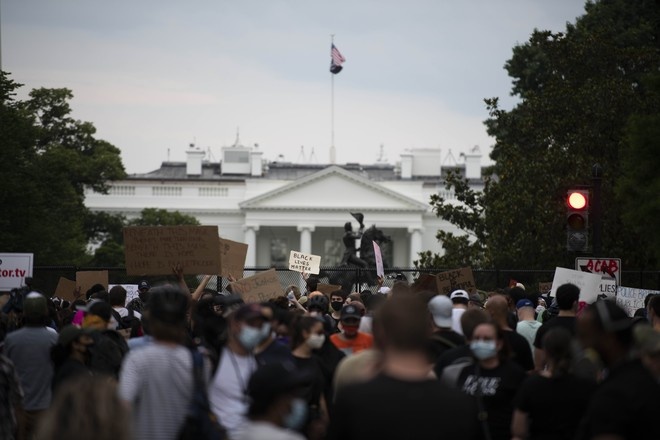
pixel 45 278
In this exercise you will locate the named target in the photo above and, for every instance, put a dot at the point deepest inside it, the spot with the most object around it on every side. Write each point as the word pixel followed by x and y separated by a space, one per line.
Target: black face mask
pixel 336 305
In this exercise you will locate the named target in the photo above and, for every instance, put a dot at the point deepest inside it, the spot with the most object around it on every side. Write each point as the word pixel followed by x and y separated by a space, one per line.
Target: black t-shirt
pixel 627 404
pixel 554 406
pixel 567 322
pixel 386 407
pixel 520 351
pixel 312 393
pixel 442 341
pixel 274 353
pixel 498 388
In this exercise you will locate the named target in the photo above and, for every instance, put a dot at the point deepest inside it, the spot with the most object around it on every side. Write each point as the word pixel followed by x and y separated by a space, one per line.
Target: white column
pixel 415 243
pixel 306 238
pixel 251 241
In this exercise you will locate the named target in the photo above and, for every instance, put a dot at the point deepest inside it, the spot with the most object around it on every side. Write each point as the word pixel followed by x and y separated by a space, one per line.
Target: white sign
pixel 13 270
pixel 132 291
pixel 306 263
pixel 380 269
pixel 631 299
pixel 588 283
pixel 608 268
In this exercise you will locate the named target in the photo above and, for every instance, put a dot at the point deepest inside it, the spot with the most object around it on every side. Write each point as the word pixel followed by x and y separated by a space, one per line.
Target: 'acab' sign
pixel 608 268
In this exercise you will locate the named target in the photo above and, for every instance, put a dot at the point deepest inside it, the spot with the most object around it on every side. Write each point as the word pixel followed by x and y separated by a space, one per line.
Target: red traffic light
pixel 577 199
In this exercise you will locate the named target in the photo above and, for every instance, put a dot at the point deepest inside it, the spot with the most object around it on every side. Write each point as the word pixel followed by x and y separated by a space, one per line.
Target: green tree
pixel 163 217
pixel 577 90
pixel 47 160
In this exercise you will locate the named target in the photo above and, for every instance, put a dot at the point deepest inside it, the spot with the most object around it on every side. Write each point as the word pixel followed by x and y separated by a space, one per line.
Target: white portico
pixel 308 215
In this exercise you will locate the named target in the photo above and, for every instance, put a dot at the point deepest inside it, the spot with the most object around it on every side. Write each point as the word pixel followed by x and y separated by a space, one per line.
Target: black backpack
pixel 129 322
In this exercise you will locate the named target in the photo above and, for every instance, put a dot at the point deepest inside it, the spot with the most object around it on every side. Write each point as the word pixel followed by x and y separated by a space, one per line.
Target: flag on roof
pixel 337 60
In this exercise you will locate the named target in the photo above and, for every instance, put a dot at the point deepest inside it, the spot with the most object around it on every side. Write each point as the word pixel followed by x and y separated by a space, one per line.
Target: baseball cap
pixel 459 294
pixel 70 333
pixel 144 284
pixel 349 311
pixel 441 309
pixel 476 298
pixel 249 311
pixel 524 303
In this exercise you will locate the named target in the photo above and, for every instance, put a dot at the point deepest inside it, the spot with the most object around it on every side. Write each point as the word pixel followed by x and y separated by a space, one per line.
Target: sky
pixel 154 76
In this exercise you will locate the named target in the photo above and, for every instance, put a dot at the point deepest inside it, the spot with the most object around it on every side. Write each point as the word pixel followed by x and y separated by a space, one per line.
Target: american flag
pixel 337 60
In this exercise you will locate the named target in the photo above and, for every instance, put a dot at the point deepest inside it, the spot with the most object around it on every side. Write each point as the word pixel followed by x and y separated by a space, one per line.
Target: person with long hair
pixel 551 405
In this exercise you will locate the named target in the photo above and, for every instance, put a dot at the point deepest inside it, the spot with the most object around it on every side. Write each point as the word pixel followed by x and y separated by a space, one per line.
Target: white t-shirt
pixel 266 431
pixel 123 312
pixel 528 329
pixel 227 393
pixel 456 320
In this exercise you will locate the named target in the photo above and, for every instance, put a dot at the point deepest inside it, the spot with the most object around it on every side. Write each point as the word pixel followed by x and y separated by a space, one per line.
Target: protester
pixel 88 408
pixel 459 299
pixel 357 368
pixel 527 324
pixel 493 380
pixel 337 300
pixel 271 350
pixel 653 312
pixel 11 399
pixel 461 355
pixel 71 355
pixel 518 347
pixel 626 402
pixel 247 327
pixel 351 340
pixel 567 297
pixel 109 347
pixel 127 320
pixel 276 409
pixel 551 405
pixel 156 382
pixel 404 389
pixel 443 337
pixel 29 349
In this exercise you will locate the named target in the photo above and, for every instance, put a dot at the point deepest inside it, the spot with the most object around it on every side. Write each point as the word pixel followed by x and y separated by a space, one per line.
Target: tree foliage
pixel 47 160
pixel 577 90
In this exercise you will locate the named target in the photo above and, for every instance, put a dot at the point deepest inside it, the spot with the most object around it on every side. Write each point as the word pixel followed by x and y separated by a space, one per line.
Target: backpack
pixel 200 423
pixel 107 352
pixel 129 326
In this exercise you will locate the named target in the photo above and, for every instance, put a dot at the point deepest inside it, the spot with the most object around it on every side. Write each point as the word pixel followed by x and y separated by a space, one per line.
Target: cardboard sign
pixel 608 268
pixel 425 283
pixel 154 250
pixel 66 289
pixel 456 279
pixel 380 269
pixel 132 291
pixel 86 279
pixel 260 287
pixel 327 289
pixel 306 263
pixel 13 270
pixel 631 299
pixel 588 283
pixel 232 258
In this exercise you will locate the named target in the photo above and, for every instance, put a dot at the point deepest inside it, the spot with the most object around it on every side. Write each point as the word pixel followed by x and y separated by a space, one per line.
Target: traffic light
pixel 577 220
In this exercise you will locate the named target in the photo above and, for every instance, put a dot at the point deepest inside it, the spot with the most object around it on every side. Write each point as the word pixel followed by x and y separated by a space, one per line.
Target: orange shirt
pixel 350 346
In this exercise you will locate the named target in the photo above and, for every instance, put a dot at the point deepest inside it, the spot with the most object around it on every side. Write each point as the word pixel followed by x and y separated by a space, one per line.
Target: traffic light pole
pixel 597 178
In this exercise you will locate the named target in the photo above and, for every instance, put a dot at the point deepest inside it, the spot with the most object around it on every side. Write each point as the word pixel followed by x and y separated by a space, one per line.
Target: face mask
pixel 350 331
pixel 540 309
pixel 298 415
pixel 315 341
pixel 483 349
pixel 336 305
pixel 250 337
pixel 265 331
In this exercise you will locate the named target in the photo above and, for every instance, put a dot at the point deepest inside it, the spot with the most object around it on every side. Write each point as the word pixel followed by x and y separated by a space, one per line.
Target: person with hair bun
pixel 551 405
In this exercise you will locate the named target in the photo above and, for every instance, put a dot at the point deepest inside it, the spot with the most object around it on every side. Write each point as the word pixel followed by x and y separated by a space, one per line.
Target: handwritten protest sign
pixel 456 279
pixel 327 289
pixel 306 263
pixel 88 278
pixel 588 283
pixel 380 270
pixel 232 258
pixel 608 268
pixel 154 250
pixel 132 291
pixel 631 299
pixel 13 270
pixel 66 289
pixel 260 287
pixel 426 282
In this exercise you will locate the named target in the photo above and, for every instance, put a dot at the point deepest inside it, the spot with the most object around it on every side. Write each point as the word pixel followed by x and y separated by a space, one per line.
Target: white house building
pixel 276 207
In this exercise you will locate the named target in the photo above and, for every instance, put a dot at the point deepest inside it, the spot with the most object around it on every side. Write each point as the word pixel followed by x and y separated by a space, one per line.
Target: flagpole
pixel 332 109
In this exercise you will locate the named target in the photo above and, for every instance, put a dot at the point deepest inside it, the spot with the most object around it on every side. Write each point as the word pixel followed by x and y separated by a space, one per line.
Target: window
pixel 213 191
pixel 167 191
pixel 122 190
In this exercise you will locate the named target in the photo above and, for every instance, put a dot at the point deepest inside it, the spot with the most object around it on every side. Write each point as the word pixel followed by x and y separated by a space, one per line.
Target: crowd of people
pixel 383 363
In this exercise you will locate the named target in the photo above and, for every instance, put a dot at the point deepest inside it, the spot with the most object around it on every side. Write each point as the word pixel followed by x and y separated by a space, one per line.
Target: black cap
pixel 144 284
pixel 349 311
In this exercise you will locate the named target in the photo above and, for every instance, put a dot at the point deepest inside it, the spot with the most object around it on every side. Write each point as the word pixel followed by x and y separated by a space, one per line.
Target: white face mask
pixel 315 341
